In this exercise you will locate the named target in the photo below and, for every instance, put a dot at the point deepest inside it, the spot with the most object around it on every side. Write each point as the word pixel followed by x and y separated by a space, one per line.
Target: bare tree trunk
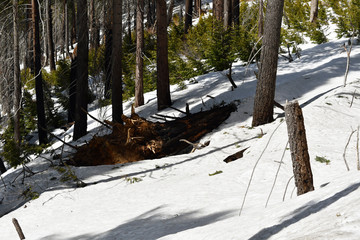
pixel 314 10
pixel 139 88
pixel 29 42
pixel 265 89
pixel 80 127
pixel 66 18
pixel 218 9
pixel 38 76
pixel 261 19
pixel 188 14
pixel 170 11
pixel 108 48
pixel 117 108
pixel 227 13
pixel 50 35
pixel 298 147
pixel 73 25
pixel 92 24
pixel 236 12
pixel 17 83
pixel 163 81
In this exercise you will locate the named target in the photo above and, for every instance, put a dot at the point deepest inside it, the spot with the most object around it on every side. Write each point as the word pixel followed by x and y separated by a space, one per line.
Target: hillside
pixel 181 197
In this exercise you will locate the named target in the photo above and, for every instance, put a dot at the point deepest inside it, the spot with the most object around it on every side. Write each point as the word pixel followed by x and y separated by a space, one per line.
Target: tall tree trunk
pixel 188 14
pixel 314 10
pixel 117 108
pixel 73 25
pixel 236 12
pixel 129 21
pixel 108 48
pixel 92 24
pixel 50 35
pixel 72 90
pixel 163 81
pixel 218 10
pixel 139 88
pixel 81 70
pixel 227 13
pixel 38 76
pixel 261 19
pixel 170 11
pixel 29 58
pixel 265 90
pixel 17 84
pixel 66 23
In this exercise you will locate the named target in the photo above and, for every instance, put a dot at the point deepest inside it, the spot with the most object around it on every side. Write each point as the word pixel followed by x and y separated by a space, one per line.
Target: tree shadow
pixel 303 212
pixel 153 225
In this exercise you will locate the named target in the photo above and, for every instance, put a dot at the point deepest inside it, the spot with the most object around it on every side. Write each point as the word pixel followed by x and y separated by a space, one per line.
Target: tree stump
pixel 298 147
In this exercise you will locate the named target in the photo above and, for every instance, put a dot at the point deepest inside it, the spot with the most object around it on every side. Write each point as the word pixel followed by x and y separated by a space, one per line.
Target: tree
pixel 117 109
pixel 41 123
pixel 49 33
pixel 314 10
pixel 261 19
pixel 163 81
pixel 265 89
pixel 81 70
pixel 236 11
pixel 17 84
pixel 218 9
pixel 188 14
pixel 139 71
pixel 227 13
pixel 108 46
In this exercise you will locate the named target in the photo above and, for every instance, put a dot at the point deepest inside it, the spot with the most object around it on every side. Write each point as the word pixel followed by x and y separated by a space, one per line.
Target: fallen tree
pixel 140 139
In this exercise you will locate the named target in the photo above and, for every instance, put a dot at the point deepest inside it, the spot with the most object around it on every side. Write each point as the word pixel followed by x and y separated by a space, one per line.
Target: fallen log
pixel 140 139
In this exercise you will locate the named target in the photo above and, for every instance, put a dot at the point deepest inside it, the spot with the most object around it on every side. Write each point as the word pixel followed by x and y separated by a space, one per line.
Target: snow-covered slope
pixel 180 197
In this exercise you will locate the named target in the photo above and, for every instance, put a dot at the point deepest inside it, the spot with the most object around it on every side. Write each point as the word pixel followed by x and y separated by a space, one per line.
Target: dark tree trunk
pixel 163 81
pixel 92 25
pixel 117 108
pixel 227 13
pixel 108 50
pixel 66 23
pixel 2 166
pixel 50 35
pixel 236 12
pixel 218 9
pixel 17 83
pixel 73 25
pixel 38 76
pixel 265 90
pixel 139 88
pixel 81 70
pixel 299 149
pixel 72 90
pixel 188 14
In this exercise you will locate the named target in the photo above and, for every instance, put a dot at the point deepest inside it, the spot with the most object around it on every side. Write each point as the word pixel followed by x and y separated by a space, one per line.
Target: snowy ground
pixel 176 198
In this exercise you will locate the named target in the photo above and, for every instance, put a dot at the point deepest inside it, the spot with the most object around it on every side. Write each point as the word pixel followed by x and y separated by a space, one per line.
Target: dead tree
pixel 298 147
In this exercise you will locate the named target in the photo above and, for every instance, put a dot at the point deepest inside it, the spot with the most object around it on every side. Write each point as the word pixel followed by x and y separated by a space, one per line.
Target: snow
pixel 176 198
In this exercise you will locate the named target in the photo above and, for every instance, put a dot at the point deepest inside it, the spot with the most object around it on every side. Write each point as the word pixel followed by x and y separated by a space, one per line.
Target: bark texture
pixel 139 86
pixel 314 10
pixel 80 127
pixel 163 81
pixel 298 147
pixel 188 14
pixel 17 83
pixel 117 108
pixel 265 89
pixel 41 124
pixel 218 9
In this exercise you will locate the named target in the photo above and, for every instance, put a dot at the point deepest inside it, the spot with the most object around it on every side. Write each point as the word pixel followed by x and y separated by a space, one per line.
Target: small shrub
pixel 322 160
